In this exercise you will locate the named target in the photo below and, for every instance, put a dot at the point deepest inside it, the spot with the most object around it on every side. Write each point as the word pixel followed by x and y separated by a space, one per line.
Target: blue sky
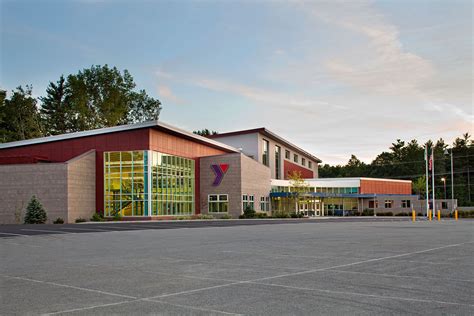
pixel 336 78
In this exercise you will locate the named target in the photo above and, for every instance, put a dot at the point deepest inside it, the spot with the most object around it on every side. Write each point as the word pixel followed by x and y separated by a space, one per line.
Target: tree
pixel 35 212
pixel 96 97
pixel 20 118
pixel 143 108
pixel 55 109
pixel 298 186
pixel 205 132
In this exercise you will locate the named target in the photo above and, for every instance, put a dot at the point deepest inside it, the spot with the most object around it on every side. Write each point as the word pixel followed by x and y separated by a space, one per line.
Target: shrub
pixel 419 214
pixel 403 214
pixel 80 220
pixel 280 214
pixel 204 216
pixel 97 217
pixel 367 212
pixel 35 212
pixel 117 216
pixel 261 215
pixel 249 212
pixel 59 220
pixel 182 218
pixel 226 216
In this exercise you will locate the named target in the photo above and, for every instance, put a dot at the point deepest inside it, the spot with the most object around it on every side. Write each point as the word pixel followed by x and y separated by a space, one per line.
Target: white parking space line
pixel 191 307
pixel 277 255
pixel 67 286
pixel 384 297
pixel 398 276
pixel 362 261
pixel 90 307
pixel 46 231
pixel 11 234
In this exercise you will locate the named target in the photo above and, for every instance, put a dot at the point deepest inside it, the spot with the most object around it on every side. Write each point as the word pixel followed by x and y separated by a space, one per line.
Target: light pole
pixel 446 152
pixel 443 179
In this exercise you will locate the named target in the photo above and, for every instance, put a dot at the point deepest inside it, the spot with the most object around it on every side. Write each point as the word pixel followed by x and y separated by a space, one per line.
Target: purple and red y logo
pixel 219 170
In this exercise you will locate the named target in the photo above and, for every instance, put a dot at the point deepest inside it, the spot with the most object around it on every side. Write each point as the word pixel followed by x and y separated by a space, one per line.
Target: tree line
pixel 405 160
pixel 97 97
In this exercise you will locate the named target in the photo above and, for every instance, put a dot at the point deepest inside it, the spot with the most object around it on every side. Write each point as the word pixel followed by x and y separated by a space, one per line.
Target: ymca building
pixel 153 170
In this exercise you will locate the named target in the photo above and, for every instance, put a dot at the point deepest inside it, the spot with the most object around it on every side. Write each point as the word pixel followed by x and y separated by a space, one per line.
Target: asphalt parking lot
pixel 265 268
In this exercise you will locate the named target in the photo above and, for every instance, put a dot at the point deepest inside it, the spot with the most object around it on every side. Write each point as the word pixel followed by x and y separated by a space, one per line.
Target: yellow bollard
pixel 413 215
pixel 429 215
pixel 439 215
pixel 456 215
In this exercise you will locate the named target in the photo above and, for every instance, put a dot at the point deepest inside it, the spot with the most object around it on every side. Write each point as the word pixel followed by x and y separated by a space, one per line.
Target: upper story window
pixel 310 164
pixel 287 154
pixel 277 161
pixel 295 158
pixel 303 161
pixel 265 146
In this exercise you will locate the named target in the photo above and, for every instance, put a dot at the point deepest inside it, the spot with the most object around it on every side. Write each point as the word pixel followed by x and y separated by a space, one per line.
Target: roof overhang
pixel 122 128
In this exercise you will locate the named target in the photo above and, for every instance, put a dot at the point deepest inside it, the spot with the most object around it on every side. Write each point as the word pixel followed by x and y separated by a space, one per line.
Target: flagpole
pixel 427 180
pixel 433 181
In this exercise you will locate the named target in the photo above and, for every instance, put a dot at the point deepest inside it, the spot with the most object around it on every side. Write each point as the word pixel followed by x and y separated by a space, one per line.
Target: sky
pixel 334 77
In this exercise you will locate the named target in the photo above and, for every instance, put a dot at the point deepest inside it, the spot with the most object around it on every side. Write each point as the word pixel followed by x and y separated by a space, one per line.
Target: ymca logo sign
pixel 219 170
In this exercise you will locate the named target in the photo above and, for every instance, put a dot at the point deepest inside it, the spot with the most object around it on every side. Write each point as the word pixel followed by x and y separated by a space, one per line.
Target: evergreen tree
pixel 35 212
pixel 205 132
pixel 54 108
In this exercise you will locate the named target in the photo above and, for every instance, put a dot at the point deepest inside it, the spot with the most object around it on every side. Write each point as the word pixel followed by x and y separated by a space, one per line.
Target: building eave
pixel 115 129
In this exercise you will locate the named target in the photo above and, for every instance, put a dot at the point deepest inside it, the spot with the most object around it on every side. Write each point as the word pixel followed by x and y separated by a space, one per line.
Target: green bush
pixel 280 214
pixel 183 218
pixel 367 212
pixel 117 216
pixel 226 216
pixel 97 217
pixel 403 214
pixel 249 212
pixel 204 216
pixel 35 212
pixel 59 220
pixel 261 215
pixel 465 214
pixel 80 220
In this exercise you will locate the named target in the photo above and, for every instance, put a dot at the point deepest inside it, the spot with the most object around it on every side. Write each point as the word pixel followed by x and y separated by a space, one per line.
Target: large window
pixel 265 146
pixel 126 183
pixel 406 203
pixel 248 201
pixel 218 203
pixel 144 183
pixel 373 204
pixel 277 161
pixel 172 185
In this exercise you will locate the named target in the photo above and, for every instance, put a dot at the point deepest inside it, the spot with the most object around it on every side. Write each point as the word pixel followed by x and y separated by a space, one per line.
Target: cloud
pixel 259 96
pixel 166 93
pixel 386 68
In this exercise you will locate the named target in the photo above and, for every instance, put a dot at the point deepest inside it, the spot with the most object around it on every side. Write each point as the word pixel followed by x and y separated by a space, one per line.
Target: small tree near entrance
pixel 35 212
pixel 298 186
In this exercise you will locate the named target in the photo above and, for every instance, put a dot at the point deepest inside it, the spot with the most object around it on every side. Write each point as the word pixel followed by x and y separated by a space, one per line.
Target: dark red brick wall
pixel 289 167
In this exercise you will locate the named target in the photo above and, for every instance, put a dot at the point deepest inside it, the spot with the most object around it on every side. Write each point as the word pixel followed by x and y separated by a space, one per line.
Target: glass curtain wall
pixel 143 183
pixel 172 185
pixel 126 183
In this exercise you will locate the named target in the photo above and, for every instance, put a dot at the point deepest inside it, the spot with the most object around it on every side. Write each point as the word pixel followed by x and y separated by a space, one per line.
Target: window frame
pixel 218 202
pixel 296 158
pixel 389 203
pixel 265 152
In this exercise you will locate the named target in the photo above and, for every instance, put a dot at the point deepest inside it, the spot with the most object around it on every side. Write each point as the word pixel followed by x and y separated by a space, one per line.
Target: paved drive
pixel 298 267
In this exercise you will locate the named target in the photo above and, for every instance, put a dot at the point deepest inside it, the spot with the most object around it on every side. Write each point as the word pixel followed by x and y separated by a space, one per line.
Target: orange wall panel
pixel 368 186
